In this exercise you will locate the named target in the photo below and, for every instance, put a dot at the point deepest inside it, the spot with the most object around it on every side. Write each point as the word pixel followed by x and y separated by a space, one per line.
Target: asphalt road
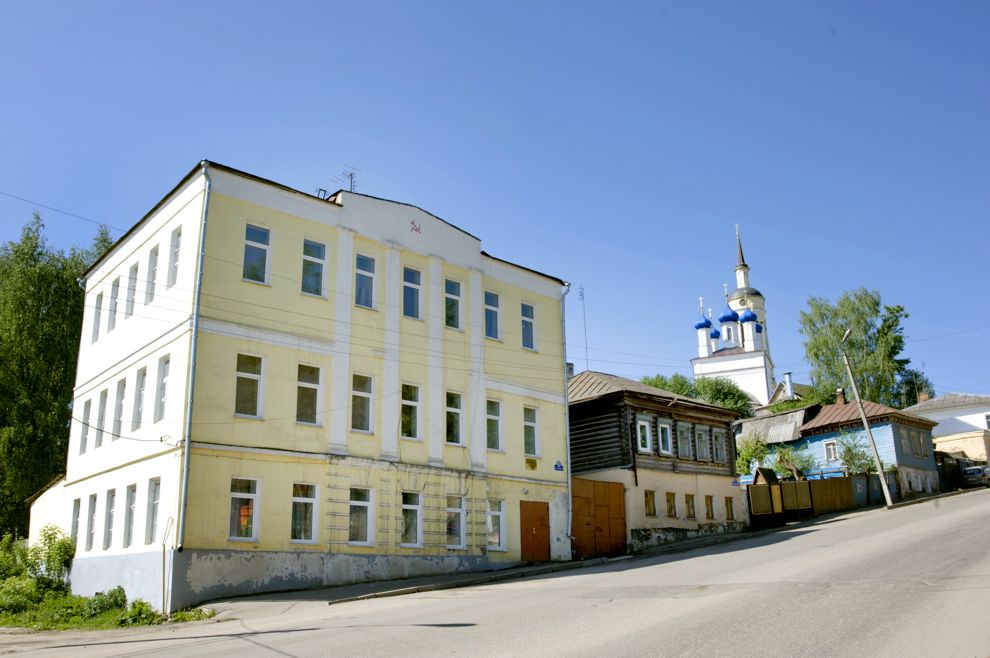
pixel 913 581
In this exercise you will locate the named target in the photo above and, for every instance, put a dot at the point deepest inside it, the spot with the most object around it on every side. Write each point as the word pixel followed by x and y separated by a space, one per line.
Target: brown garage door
pixel 598 520
pixel 534 531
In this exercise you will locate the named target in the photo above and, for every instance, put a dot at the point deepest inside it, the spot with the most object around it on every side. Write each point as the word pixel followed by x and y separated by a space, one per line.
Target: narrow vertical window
pixel 718 446
pixel 663 438
pixel 308 395
pixel 361 392
pixel 303 512
pixel 173 257
pixel 410 292
pixel 149 291
pixel 118 409
pixel 491 315
pixel 132 278
pixel 650 503
pixel 455 522
pixel 101 419
pixel 248 388
pixel 112 311
pixel 129 515
pixel 97 310
pixel 84 436
pixel 91 517
pixel 531 444
pixel 689 506
pixel 493 410
pixel 139 385
pixel 453 417
pixel 528 326
pixel 162 389
pixel 313 265
pixel 360 518
pixel 452 306
pixel 671 504
pixel 108 518
pixel 256 254
pixel 495 521
pixel 701 444
pixel 74 531
pixel 364 281
pixel 412 514
pixel 243 500
pixel 409 413
pixel 730 510
pixel 684 443
pixel 710 508
pixel 644 435
pixel 151 519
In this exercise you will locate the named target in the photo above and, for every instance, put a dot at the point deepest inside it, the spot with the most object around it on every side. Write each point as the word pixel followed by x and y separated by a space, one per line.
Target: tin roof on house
pixel 844 414
pixel 590 384
pixel 777 428
pixel 950 401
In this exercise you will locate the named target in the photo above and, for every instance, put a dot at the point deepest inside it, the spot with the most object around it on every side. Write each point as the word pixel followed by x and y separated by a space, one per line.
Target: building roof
pixel 745 291
pixel 833 415
pixel 590 384
pixel 783 427
pixel 950 401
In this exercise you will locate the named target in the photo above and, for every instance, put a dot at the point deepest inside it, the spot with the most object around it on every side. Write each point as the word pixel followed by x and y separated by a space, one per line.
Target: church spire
pixel 742 269
pixel 740 259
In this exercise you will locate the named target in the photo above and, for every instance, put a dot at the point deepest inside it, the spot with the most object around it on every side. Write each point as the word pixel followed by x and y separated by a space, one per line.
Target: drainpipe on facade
pixel 567 409
pixel 193 344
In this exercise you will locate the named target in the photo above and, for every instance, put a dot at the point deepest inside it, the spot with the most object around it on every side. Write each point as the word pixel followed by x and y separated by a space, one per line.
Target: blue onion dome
pixel 748 316
pixel 714 333
pixel 728 315
pixel 703 323
pixel 759 328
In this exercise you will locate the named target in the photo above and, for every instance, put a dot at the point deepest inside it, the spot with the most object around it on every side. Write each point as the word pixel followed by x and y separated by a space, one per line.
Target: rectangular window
pixel 409 413
pixel 129 514
pixel 313 264
pixel 361 392
pixel 96 317
pixel 256 240
pixel 453 422
pixel 132 280
pixel 149 291
pixel 494 424
pixel 672 504
pixel 308 394
pixel 905 439
pixel 831 451
pixel 684 443
pixel 412 515
pixel 730 510
pixel 531 444
pixel 243 500
pixel 491 315
pixel 689 506
pixel 139 385
pixel 248 390
pixel 74 531
pixel 650 502
pixel 710 507
pixel 84 436
pixel 361 518
pixel 718 446
pixel 701 444
pixel 161 392
pixel 118 409
pixel 112 311
pixel 663 438
pixel 410 292
pixel 364 281
pixel 108 518
pixel 151 520
pixel 101 419
pixel 528 326
pixel 644 435
pixel 91 517
pixel 173 258
pixel 452 307
pixel 303 512
pixel 455 522
pixel 495 522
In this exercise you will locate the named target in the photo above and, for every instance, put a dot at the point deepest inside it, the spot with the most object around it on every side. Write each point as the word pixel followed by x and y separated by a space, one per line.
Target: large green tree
pixel 41 309
pixel 714 390
pixel 874 346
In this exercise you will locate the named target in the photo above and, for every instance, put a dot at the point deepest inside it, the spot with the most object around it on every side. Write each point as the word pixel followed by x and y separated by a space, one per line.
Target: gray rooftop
pixel 950 401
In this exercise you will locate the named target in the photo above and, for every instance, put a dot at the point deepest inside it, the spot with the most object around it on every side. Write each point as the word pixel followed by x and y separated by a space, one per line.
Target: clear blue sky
pixel 614 145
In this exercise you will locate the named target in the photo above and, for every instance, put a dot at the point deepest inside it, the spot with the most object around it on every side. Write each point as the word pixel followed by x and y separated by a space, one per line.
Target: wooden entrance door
pixel 534 531
pixel 598 519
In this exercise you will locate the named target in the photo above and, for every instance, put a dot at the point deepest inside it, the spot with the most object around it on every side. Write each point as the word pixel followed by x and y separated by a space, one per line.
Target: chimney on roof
pixel 923 396
pixel 570 371
pixel 788 386
pixel 840 396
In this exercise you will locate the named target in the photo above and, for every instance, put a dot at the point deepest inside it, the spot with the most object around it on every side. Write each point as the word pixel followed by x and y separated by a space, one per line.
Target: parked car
pixel 975 476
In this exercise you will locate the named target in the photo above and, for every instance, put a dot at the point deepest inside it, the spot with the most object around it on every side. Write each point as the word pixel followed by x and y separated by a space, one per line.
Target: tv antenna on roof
pixel 348 178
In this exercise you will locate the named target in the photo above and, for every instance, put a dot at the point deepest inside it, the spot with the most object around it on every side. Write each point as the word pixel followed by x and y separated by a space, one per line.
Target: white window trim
pixel 524 320
pixel 458 298
pixel 161 388
pixel 84 434
pixel 323 269
pixel 132 281
pixel 461 511
pixel 255 509
pixel 137 410
pixel 410 403
pixel 692 453
pixel 130 503
pixel 318 387
pixel 419 518
pixel 101 418
pixel 97 311
pixel 152 281
pixel 536 431
pixel 371 275
pixel 173 257
pixel 648 424
pixel 498 425
pixel 152 508
pixel 91 522
pixel 109 509
pixel 701 439
pixel 371 404
pixel 670 438
pixel 417 288
pixel 112 308
pixel 370 506
pixel 498 315
pixel 835 449
pixel 719 439
pixel 118 409
pixel 315 513
pixel 500 514
pixel 260 378
pixel 460 418
pixel 268 254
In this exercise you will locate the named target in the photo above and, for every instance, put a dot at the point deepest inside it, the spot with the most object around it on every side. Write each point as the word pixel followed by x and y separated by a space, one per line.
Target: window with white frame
pixel 101 419
pixel 118 409
pixel 74 528
pixel 91 517
pixel 173 257
pixel 495 522
pixel 456 516
pixel 409 412
pixel 256 245
pixel 644 435
pixel 361 392
pixel 531 440
pixel 664 438
pixel 303 512
pixel 718 446
pixel 491 316
pixel 493 419
pixel 412 519
pixel 84 434
pixel 308 394
pixel 361 519
pixel 364 281
pixel 161 391
pixel 97 310
pixel 528 326
pixel 701 443
pixel 140 383
pixel 130 502
pixel 684 443
pixel 411 280
pixel 112 311
pixel 132 281
pixel 151 517
pixel 831 451
pixel 111 502
pixel 453 417
pixel 149 291
pixel 452 307
pixel 243 503
pixel 248 389
pixel 313 265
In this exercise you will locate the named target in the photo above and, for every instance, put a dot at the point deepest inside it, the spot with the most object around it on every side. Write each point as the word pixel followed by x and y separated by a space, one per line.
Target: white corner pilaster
pixel 340 382
pixel 477 438
pixel 435 396
pixel 390 368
